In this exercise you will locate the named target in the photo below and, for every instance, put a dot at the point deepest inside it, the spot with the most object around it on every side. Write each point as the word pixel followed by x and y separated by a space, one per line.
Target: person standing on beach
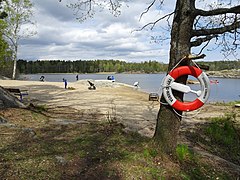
pixel 77 77
pixel 65 83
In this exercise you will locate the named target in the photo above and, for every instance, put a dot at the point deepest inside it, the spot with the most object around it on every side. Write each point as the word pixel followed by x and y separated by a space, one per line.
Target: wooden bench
pixel 153 97
pixel 18 92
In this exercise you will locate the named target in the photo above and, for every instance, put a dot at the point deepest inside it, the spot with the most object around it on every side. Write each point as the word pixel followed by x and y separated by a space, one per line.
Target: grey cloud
pixel 55 9
pixel 60 36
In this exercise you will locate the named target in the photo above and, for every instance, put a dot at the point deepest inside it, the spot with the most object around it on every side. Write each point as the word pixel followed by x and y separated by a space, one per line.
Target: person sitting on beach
pixel 42 78
pixel 92 86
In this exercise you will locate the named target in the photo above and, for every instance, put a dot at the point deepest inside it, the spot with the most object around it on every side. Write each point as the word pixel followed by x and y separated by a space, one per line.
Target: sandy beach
pixel 110 101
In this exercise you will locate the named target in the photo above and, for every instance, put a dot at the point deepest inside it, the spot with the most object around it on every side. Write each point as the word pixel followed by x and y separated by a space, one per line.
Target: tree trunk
pixel 14 62
pixel 14 69
pixel 168 122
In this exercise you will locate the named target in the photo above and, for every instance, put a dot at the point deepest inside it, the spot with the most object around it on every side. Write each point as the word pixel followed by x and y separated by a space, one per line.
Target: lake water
pixel 226 90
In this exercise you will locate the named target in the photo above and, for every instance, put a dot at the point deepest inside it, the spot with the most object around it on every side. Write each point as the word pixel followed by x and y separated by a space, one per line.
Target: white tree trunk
pixel 15 60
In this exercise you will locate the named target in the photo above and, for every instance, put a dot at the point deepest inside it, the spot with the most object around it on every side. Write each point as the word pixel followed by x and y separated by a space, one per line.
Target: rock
pixel 30 132
pixel 1 104
pixel 4 78
pixel 61 160
pixel 192 82
pixel 7 100
pixel 237 105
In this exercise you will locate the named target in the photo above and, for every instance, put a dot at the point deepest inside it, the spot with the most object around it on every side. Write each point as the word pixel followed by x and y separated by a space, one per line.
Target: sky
pixel 60 36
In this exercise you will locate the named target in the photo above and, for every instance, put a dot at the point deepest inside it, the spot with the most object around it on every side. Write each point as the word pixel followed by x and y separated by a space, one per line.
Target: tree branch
pixel 218 11
pixel 221 30
pixel 147 9
pixel 152 24
pixel 199 41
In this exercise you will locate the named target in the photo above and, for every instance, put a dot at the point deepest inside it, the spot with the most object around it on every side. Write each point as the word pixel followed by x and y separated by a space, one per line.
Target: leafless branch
pixel 200 52
pixel 147 9
pixel 221 30
pixel 218 11
pixel 152 24
pixel 199 41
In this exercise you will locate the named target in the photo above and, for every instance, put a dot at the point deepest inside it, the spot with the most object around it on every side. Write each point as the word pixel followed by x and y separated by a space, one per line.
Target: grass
pixel 71 88
pixel 224 137
pixel 231 103
pixel 220 137
pixel 183 152
pixel 193 167
pixel 91 151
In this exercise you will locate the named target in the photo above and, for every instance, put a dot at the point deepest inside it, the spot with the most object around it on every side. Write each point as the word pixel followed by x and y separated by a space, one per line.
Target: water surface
pixel 226 90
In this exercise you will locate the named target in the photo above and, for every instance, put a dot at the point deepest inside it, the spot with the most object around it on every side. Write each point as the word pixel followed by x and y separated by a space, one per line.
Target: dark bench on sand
pixel 18 92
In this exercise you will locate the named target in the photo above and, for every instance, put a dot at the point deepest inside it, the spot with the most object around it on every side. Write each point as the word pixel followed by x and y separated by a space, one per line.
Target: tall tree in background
pixel 4 47
pixel 3 44
pixel 2 13
pixel 190 27
pixel 19 13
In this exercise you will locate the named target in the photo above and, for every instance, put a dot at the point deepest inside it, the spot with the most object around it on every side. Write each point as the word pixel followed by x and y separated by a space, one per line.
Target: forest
pixel 98 66
pixel 89 66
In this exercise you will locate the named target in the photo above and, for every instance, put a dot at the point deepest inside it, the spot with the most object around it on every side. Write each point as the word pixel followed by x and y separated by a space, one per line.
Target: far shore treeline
pixel 88 66
pixel 98 66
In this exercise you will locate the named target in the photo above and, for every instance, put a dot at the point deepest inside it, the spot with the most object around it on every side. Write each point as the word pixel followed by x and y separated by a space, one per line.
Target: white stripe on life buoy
pixel 186 70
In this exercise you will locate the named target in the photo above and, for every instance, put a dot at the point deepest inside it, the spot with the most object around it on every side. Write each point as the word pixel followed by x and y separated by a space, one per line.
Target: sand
pixel 111 101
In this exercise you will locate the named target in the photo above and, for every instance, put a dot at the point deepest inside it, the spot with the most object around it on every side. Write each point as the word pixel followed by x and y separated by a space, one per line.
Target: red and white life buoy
pixel 169 84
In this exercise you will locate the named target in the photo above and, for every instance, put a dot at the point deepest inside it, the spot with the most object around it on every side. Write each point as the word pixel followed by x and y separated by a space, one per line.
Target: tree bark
pixel 15 60
pixel 14 69
pixel 168 122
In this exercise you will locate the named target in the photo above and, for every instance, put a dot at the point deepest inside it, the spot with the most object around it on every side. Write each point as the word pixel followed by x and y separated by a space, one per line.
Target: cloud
pixel 61 36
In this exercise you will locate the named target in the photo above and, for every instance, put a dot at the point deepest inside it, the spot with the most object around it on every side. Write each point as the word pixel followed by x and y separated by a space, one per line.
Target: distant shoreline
pixel 234 74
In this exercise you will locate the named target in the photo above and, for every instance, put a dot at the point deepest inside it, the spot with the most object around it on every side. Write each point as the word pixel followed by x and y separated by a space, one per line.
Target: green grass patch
pixel 222 131
pixel 231 103
pixel 224 137
pixel 93 151
pixel 183 152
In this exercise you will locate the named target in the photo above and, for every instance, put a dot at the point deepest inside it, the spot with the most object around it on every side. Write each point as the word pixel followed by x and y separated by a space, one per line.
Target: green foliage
pixel 5 52
pixel 96 66
pixel 3 14
pixel 222 131
pixel 150 153
pixel 19 13
pixel 222 65
pixel 223 137
pixel 231 103
pixel 182 152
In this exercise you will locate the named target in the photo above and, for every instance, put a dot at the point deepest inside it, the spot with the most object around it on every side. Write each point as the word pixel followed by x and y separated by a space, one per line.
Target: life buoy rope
pixel 181 71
